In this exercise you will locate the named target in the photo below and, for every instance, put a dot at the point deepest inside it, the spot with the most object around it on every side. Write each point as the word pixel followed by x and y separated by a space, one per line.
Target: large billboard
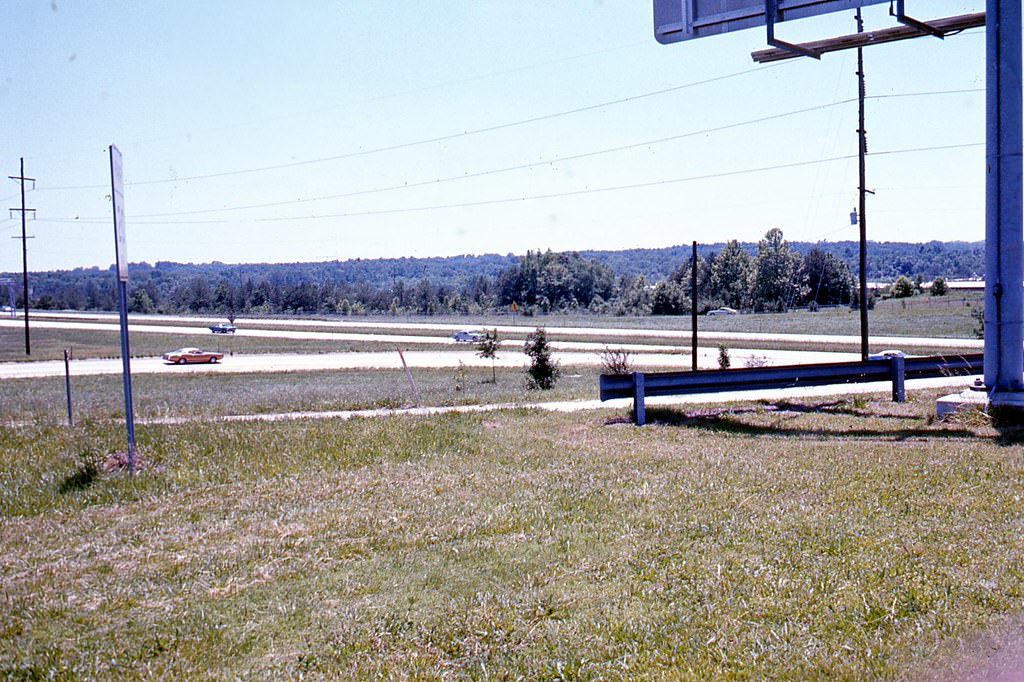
pixel 677 20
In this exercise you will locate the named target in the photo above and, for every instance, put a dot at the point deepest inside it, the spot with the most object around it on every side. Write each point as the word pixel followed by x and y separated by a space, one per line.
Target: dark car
pixel 223 328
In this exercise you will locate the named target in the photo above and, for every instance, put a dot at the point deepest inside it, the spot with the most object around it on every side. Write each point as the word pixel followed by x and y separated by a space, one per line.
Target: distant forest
pixel 772 274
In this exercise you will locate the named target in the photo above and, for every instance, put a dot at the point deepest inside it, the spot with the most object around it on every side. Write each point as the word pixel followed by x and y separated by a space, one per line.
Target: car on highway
pixel 223 328
pixel 189 356
pixel 886 354
pixel 724 310
pixel 469 335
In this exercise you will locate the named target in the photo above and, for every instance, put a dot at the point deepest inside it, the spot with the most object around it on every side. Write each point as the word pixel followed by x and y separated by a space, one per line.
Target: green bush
pixel 543 371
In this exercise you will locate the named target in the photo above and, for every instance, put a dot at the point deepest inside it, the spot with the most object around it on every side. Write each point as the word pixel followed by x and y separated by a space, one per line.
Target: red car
pixel 187 356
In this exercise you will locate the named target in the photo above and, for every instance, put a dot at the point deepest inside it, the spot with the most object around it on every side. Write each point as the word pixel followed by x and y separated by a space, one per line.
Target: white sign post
pixel 117 197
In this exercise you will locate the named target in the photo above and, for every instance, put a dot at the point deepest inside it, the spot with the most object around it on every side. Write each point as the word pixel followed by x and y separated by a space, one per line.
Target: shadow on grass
pixel 80 479
pixel 1010 435
pixel 722 420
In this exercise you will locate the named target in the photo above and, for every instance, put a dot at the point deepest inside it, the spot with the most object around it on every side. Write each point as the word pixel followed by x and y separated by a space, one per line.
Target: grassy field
pixel 210 395
pixel 943 316
pixel 855 539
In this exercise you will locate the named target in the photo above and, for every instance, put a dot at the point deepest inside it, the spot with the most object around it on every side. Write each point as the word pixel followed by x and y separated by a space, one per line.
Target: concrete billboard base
pixel 1005 407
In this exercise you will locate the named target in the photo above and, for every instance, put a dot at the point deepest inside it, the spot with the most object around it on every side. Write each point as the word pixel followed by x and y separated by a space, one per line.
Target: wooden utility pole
pixel 693 310
pixel 862 218
pixel 24 246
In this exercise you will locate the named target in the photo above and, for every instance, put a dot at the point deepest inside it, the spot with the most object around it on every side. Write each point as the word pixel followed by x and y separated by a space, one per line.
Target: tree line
pixel 771 275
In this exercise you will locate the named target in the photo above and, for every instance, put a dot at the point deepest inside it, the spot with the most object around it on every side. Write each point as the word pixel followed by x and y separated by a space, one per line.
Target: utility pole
pixel 693 309
pixel 862 217
pixel 9 283
pixel 24 245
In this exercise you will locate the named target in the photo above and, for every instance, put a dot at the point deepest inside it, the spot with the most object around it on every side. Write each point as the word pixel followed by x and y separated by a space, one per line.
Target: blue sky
pixel 307 131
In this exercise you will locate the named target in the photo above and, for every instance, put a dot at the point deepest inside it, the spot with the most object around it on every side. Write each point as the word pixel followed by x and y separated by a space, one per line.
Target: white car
pixel 724 310
pixel 886 354
pixel 469 335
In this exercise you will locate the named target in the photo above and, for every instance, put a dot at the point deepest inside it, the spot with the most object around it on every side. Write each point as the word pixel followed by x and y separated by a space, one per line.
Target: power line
pixel 367 100
pixel 965 91
pixel 555 195
pixel 534 164
pixel 94 221
pixel 616 188
pixel 506 169
pixel 436 139
pixel 415 143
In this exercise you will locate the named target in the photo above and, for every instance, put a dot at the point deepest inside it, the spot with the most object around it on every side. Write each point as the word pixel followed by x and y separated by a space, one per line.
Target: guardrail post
pixel 898 369
pixel 639 413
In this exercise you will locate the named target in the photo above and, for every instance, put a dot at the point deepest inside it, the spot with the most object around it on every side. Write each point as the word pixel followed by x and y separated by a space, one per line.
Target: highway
pixel 649 349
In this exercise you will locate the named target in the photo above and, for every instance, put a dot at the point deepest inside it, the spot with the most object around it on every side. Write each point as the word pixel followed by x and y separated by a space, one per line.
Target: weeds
pixel 459 377
pixel 756 361
pixel 616 361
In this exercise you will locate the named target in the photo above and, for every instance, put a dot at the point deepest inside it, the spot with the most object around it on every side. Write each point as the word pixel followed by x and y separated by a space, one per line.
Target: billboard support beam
pixel 771 17
pixel 901 16
pixel 891 34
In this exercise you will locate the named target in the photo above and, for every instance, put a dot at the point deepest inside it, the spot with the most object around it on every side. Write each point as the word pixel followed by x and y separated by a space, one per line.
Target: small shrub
pixel 858 402
pixel 543 371
pixel 978 315
pixel 616 361
pixel 459 377
pixel 488 349
pixel 724 362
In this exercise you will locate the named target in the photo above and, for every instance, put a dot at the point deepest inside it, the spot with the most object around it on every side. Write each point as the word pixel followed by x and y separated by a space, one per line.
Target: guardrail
pixel 896 369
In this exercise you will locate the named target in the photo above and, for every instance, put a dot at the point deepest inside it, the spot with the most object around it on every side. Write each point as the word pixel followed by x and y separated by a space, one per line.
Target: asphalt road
pixel 639 343
pixel 391 330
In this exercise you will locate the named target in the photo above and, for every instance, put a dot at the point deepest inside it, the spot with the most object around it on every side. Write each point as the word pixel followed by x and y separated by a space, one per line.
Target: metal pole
pixel 693 310
pixel 117 203
pixel 408 375
pixel 1004 270
pixel 862 218
pixel 67 383
pixel 129 412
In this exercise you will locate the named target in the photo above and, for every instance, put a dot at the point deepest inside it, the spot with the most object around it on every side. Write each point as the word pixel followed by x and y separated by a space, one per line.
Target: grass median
pixel 203 395
pixel 853 539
